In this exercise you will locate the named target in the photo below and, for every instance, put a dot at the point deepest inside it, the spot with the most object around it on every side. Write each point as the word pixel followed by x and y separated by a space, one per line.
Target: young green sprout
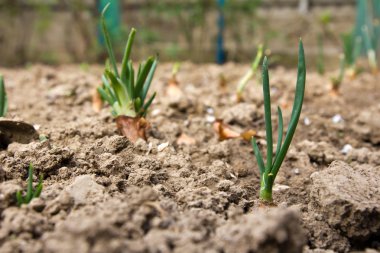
pixel 337 81
pixel 3 98
pixel 269 171
pixel 371 53
pixel 250 74
pixel 175 70
pixel 320 57
pixel 172 89
pixel 30 192
pixel 352 46
pixel 126 92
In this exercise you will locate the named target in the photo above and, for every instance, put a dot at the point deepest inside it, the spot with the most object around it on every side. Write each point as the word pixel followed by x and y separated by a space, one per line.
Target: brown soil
pixel 104 194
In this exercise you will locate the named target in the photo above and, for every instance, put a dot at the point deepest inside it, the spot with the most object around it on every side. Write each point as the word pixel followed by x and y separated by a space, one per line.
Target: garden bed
pixel 184 190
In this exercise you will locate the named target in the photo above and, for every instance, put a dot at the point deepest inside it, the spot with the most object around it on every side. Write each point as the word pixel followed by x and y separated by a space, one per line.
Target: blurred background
pixel 67 31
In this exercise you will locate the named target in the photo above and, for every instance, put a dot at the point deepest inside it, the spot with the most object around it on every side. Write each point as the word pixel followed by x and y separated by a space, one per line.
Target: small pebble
pixel 210 110
pixel 210 118
pixel 155 112
pixel 280 187
pixel 346 149
pixel 296 171
pixel 337 119
pixel 307 121
pixel 162 146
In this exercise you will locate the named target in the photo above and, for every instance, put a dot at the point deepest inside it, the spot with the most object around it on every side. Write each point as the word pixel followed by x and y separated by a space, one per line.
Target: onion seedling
pixel 337 81
pixel 320 57
pixel 3 98
pixel 30 192
pixel 173 90
pixel 125 92
pixel 352 47
pixel 371 53
pixel 269 171
pixel 250 74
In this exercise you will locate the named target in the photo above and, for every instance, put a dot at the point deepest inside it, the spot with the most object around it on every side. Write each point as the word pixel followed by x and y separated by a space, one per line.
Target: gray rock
pixel 85 188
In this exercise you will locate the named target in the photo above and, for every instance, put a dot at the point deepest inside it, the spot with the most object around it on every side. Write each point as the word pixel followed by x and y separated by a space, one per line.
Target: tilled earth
pixel 184 190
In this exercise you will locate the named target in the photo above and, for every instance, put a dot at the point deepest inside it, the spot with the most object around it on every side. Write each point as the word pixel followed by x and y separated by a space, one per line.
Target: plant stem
pixel 266 193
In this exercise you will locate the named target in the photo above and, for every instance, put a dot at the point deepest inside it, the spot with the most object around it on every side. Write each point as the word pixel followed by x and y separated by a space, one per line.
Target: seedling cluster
pixel 125 92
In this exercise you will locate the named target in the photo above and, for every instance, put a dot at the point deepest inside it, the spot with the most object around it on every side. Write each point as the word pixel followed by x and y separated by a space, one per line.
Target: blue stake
pixel 220 51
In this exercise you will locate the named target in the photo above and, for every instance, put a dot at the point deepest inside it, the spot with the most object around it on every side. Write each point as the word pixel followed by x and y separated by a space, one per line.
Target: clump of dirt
pixel 184 190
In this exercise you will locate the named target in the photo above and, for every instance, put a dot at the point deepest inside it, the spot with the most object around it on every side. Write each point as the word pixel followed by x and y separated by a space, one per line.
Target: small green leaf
pixel 39 187
pixel 19 198
pixel 118 88
pixel 137 104
pixel 29 192
pixel 103 94
pixel 108 88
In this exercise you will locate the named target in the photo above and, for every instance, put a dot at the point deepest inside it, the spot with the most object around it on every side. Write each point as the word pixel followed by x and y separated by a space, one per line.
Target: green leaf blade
pixel 148 80
pixel 268 114
pixel 280 131
pixel 147 105
pixel 125 71
pixel 3 98
pixel 107 38
pixel 296 112
pixel 29 193
pixel 143 76
pixel 258 156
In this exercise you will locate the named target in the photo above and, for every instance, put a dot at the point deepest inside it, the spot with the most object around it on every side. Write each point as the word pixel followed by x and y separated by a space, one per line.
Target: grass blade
pixel 19 198
pixel 108 41
pixel 268 115
pixel 259 157
pixel 38 189
pixel 29 193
